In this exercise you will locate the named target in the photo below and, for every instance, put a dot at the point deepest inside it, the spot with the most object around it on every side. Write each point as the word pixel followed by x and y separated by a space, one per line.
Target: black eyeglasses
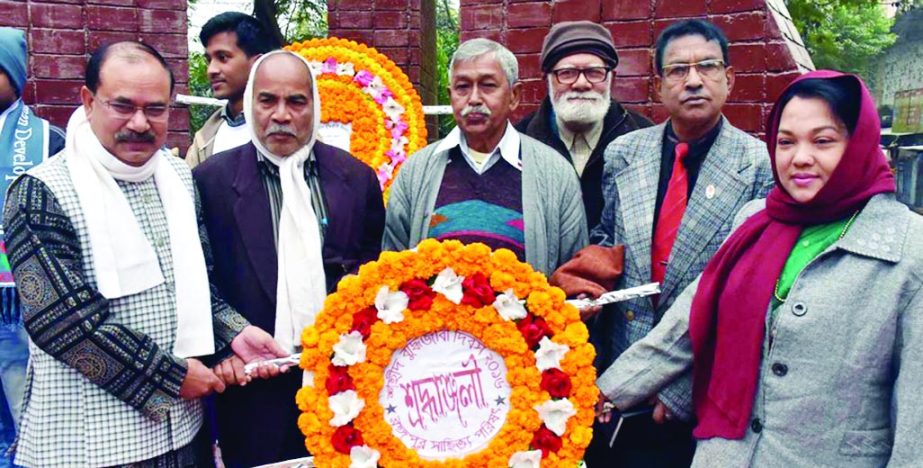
pixel 125 110
pixel 710 69
pixel 571 75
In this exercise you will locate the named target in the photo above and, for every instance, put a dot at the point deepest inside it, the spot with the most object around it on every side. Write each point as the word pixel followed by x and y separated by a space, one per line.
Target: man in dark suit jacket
pixel 287 217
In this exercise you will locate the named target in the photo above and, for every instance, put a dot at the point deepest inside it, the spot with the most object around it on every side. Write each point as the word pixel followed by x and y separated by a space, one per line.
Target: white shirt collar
pixel 508 148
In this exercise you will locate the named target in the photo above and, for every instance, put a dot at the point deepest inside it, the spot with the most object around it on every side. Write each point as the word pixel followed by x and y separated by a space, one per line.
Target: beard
pixel 591 107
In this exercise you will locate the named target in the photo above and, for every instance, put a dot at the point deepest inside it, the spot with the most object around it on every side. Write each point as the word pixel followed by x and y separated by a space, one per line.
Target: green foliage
pixel 446 43
pixel 293 20
pixel 198 86
pixel 842 34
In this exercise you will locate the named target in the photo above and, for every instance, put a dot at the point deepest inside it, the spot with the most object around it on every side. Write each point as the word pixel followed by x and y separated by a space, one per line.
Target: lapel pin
pixel 710 192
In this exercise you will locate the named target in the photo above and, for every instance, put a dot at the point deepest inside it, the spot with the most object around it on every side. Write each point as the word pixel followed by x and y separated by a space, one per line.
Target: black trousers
pixel 641 443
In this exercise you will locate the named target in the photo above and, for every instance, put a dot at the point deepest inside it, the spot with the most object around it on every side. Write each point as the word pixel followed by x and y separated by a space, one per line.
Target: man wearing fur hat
pixel 579 118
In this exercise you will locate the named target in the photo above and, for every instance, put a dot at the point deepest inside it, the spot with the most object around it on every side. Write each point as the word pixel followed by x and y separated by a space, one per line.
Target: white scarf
pixel 124 261
pixel 302 285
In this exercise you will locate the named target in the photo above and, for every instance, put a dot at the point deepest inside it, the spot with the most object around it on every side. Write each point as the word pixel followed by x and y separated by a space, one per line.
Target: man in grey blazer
pixel 671 192
pixel 485 182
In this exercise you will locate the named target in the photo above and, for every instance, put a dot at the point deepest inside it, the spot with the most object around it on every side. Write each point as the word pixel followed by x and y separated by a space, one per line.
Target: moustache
pixel 280 129
pixel 134 137
pixel 478 109
pixel 591 95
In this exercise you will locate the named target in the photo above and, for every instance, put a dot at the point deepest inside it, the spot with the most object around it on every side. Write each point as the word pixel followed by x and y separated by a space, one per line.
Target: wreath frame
pixel 356 295
pixel 359 85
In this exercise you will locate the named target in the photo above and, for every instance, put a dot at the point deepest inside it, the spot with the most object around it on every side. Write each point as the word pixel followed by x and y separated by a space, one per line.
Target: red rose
pixel 477 291
pixel 363 321
pixel 420 294
pixel 533 329
pixel 544 440
pixel 347 437
pixel 339 380
pixel 556 383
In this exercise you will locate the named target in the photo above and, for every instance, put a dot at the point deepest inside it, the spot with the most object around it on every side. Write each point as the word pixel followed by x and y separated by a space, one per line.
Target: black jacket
pixel 258 424
pixel 618 121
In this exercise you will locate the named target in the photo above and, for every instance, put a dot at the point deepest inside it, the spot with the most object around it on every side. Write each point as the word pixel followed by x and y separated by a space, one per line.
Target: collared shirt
pixel 698 149
pixel 232 131
pixel 508 149
pixel 269 175
pixel 233 121
pixel 579 145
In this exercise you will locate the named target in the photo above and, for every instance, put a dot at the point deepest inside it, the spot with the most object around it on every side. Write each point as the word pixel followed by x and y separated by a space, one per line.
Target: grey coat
pixel 735 171
pixel 840 385
pixel 552 206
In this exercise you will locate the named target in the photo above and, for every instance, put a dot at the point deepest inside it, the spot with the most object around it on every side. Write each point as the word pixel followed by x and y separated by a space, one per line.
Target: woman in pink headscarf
pixel 804 334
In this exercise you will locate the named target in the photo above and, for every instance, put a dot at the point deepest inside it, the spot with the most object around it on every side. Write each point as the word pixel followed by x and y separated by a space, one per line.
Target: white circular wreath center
pixel 445 395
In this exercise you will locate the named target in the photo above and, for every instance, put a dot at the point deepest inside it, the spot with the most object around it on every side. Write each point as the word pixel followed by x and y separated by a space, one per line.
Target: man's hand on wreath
pixel 231 371
pixel 253 344
pixel 661 413
pixel 199 381
pixel 604 408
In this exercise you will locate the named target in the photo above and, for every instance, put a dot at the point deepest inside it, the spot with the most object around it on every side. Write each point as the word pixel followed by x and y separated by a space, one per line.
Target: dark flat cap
pixel 575 37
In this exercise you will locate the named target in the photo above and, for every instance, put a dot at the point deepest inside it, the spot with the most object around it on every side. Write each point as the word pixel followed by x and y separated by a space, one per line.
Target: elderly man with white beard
pixel 579 118
pixel 485 181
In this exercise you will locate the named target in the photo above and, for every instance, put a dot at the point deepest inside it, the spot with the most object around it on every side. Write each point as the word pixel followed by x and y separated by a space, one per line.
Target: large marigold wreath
pixel 362 87
pixel 464 288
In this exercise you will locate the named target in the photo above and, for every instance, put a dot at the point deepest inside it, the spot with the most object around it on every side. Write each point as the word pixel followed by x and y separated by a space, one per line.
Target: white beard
pixel 591 110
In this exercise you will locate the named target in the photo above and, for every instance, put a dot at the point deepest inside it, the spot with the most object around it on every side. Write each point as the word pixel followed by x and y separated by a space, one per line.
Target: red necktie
pixel 671 215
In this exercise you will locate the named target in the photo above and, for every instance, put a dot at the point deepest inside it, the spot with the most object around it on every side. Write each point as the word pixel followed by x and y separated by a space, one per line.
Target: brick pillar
pixel 62 34
pixel 403 30
pixel 765 47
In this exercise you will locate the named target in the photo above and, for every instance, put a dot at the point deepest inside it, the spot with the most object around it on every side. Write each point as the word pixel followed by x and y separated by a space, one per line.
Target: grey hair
pixel 475 48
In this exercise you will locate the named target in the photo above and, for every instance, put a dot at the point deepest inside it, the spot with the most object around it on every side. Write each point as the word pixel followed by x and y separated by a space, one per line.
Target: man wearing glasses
pixel 108 254
pixel 671 194
pixel 578 118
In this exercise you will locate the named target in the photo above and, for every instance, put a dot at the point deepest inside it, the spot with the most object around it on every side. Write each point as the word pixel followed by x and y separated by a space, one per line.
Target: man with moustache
pixel 671 192
pixel 579 118
pixel 232 41
pixel 111 262
pixel 486 182
pixel 287 217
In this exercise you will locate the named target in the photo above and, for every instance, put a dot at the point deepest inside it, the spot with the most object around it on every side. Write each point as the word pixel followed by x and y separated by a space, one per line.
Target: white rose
pixel 449 285
pixel 345 405
pixel 549 354
pixel 361 456
pixel 349 350
pixel 555 413
pixel 530 459
pixel 391 305
pixel 509 307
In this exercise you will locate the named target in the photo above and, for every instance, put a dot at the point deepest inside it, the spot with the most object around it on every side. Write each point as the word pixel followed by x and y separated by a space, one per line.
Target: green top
pixel 811 243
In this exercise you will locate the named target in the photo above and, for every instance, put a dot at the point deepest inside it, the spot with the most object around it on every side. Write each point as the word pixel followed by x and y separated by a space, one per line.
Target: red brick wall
pixel 404 30
pixel 62 33
pixel 758 50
